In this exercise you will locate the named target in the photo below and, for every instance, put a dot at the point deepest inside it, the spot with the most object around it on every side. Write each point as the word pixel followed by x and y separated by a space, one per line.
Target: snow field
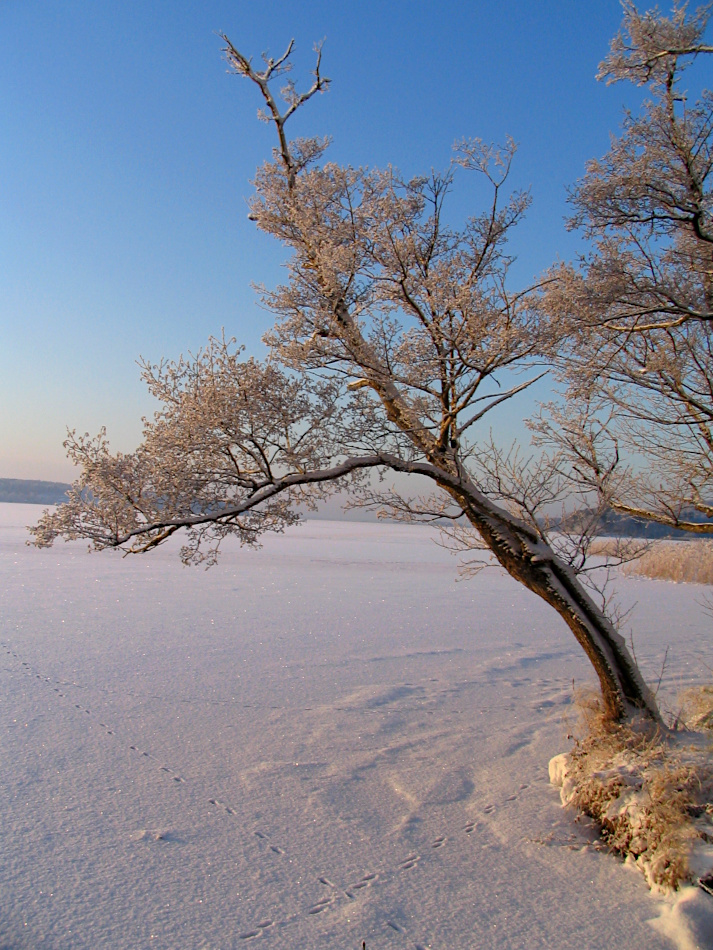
pixel 322 742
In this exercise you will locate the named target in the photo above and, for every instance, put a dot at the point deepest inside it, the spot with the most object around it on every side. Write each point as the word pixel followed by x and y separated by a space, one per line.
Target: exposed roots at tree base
pixel 651 793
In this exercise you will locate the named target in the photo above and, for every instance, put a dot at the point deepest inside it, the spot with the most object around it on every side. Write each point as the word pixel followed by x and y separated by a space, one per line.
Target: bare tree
pixel 395 335
pixel 640 305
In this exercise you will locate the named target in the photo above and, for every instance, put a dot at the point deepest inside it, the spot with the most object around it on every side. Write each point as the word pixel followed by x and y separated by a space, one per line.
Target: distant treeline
pixel 616 525
pixel 32 491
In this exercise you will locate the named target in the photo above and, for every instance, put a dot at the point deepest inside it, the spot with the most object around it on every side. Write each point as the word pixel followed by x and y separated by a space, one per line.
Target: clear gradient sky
pixel 126 152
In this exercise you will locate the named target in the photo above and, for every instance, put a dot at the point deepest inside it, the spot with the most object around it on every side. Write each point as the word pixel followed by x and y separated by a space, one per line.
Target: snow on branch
pixel 649 47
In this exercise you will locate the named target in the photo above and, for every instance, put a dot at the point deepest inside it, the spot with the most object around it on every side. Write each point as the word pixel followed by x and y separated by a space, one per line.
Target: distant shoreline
pixel 28 491
pixel 32 491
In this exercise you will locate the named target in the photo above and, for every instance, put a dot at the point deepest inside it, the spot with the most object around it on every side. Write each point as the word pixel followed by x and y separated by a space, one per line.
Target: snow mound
pixel 688 920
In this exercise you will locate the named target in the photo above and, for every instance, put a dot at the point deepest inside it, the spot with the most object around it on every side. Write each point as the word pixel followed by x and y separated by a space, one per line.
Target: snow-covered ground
pixel 322 742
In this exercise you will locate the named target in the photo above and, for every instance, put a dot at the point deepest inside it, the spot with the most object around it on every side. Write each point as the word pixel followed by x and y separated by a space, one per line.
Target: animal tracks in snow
pixel 27 668
pixel 492 807
pixel 258 931
pixel 226 808
pixel 320 906
pixel 365 882
pixel 262 836
pixel 338 894
pixel 410 862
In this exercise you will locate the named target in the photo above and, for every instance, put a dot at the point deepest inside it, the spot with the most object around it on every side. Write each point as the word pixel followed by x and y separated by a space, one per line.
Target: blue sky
pixel 126 152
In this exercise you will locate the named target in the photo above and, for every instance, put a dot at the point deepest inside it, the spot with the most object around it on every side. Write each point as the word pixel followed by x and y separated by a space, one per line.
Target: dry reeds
pixel 604 547
pixel 679 561
pixel 620 549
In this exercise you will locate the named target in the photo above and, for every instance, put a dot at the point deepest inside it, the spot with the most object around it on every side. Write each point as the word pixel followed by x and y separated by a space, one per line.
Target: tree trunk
pixel 534 564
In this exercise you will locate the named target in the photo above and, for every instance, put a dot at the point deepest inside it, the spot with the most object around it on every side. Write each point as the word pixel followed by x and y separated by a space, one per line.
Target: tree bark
pixel 532 562
pixel 624 691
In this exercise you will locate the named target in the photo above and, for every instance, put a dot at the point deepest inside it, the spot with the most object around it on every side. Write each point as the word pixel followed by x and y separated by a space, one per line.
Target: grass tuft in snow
pixel 696 709
pixel 651 793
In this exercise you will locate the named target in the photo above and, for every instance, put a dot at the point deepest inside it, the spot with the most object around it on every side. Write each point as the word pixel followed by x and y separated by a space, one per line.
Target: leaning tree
pixel 395 335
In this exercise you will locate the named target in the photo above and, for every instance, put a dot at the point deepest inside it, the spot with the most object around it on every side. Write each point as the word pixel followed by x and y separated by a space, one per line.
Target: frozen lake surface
pixel 325 741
